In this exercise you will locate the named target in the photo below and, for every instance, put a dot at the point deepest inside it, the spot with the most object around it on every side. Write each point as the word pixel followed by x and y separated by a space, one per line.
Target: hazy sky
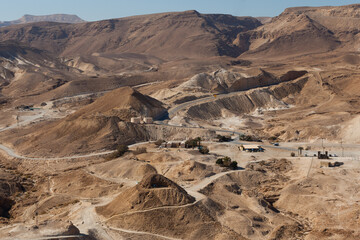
pixel 92 10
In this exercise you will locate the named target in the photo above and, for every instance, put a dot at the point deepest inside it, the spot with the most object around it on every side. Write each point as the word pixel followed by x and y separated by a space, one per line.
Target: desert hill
pixel 103 124
pixel 300 31
pixel 172 210
pixel 153 191
pixel 167 35
pixel 124 103
pixel 104 121
pixel 61 18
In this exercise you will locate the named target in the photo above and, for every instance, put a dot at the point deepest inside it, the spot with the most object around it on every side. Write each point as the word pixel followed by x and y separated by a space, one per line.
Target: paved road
pixel 55 237
pixel 143 233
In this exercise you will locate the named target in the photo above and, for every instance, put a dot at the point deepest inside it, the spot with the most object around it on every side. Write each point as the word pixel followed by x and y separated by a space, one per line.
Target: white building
pixel 135 120
pixel 251 148
pixel 148 120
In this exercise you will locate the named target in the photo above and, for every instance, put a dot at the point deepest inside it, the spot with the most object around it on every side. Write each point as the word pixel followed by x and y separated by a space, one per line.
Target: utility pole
pixel 17 119
pixel 322 144
pixel 342 148
pixel 311 163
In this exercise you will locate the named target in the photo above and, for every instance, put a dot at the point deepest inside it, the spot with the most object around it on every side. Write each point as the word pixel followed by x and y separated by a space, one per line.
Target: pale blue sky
pixel 92 10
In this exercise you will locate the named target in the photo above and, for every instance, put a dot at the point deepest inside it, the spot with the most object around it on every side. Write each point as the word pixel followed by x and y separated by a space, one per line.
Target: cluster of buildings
pixel 173 144
pixel 146 120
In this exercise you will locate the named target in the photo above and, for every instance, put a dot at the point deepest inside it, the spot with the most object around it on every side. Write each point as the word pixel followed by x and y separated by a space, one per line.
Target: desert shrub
pixel 227 161
pixel 292 154
pixel 249 138
pixel 233 165
pixel 121 150
pixel 204 150
pixel 273 138
pixel 220 161
pixel 223 138
pixel 244 137
pixel 192 143
pixel 140 150
pixel 159 142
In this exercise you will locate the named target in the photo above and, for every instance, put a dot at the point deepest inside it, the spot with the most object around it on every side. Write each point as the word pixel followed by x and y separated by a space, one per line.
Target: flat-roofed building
pixel 251 148
pixel 135 119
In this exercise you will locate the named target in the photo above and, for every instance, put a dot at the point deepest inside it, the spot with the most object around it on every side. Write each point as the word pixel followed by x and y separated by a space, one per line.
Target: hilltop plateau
pixel 61 18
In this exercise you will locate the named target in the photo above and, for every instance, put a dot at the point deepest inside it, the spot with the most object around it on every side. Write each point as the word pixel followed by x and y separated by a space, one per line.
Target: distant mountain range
pixel 60 18
pixel 190 34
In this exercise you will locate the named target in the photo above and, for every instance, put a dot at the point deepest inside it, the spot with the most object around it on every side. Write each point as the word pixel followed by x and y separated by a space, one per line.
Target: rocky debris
pixel 285 232
pixel 5 206
pixel 273 165
pixel 12 185
pixel 71 230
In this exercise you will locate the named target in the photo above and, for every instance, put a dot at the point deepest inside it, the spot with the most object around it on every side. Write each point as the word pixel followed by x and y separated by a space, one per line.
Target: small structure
pixel 135 120
pixel 251 148
pixel 323 155
pixel 148 120
pixel 25 108
pixel 330 164
pixel 173 144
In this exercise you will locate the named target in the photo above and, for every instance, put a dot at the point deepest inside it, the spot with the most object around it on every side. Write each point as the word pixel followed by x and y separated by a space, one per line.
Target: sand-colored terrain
pixel 288 84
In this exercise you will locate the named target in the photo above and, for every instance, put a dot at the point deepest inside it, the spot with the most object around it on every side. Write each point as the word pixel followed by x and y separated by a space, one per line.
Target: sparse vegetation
pixel 140 150
pixel 159 142
pixel 223 138
pixel 292 154
pixel 219 161
pixel 273 138
pixel 120 151
pixel 192 143
pixel 233 165
pixel 249 138
pixel 204 150
pixel 226 162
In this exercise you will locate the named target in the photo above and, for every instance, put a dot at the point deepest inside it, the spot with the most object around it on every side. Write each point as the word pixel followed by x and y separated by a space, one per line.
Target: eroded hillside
pixel 224 118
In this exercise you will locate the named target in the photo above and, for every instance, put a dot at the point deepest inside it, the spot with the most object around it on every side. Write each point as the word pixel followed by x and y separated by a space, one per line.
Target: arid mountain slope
pixel 167 35
pixel 300 31
pixel 27 71
pixel 178 35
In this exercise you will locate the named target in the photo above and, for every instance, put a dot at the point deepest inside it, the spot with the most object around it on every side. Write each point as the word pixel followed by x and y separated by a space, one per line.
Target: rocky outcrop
pixel 5 206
